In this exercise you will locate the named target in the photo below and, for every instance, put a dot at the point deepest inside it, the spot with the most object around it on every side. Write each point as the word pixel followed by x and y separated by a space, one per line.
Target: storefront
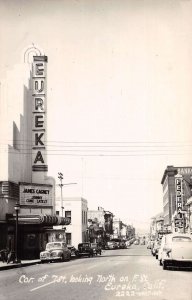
pixel 34 231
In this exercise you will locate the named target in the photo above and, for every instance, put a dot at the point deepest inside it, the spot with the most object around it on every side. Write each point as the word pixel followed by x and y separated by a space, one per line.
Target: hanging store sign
pixel 36 195
pixel 39 77
pixel 179 195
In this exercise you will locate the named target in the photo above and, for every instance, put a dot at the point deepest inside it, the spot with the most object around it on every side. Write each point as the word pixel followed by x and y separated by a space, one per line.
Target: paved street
pixel 118 274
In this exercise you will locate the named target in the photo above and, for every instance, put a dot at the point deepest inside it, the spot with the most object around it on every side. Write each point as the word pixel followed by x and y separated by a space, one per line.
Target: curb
pixel 19 265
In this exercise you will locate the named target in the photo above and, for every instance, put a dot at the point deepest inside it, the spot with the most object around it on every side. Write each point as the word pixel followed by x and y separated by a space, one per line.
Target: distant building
pixel 108 224
pixel 75 209
pixel 130 231
pixel 100 224
pixel 96 225
pixel 170 205
pixel 124 232
pixel 117 227
pixel 157 226
pixel 98 214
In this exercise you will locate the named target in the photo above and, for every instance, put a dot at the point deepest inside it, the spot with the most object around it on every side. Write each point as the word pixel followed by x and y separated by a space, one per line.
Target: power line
pixel 104 155
pixel 25 141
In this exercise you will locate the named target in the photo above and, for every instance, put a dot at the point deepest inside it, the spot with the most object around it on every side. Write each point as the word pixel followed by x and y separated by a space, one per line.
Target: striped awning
pixel 40 219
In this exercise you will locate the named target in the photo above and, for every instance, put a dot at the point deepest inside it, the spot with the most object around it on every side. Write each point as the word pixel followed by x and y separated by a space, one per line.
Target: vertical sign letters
pixel 39 114
pixel 179 195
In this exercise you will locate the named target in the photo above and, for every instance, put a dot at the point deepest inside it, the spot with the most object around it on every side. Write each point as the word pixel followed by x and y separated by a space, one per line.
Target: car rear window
pixel 181 239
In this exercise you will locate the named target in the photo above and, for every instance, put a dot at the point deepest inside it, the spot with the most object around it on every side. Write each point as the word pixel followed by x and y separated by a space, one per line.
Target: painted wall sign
pixel 39 74
pixel 40 195
pixel 185 171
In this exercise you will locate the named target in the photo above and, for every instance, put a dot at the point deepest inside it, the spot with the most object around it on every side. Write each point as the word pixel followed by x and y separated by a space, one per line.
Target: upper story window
pixel 68 214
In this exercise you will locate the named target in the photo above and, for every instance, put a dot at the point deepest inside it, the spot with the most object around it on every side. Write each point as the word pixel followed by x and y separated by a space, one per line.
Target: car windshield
pixel 83 245
pixel 181 239
pixel 53 246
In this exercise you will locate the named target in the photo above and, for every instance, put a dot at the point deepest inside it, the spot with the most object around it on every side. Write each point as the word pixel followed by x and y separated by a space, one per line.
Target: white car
pixel 176 250
pixel 55 251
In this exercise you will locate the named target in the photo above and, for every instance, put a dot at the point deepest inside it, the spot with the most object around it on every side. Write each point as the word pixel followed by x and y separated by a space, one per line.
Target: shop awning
pixel 46 220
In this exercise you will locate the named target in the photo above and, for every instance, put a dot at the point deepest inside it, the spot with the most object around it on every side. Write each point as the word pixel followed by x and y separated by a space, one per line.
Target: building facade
pixel 96 225
pixel 23 158
pixel 157 228
pixel 176 183
pixel 75 209
pixel 117 227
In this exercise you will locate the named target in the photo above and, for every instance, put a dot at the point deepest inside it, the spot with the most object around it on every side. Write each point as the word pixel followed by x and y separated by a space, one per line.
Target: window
pixel 68 238
pixel 181 239
pixel 57 212
pixel 68 214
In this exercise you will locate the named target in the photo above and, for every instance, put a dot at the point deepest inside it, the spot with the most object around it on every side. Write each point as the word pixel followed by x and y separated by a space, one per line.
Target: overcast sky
pixel 119 94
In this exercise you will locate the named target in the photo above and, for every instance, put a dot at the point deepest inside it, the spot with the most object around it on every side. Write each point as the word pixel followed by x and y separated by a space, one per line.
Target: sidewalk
pixel 23 263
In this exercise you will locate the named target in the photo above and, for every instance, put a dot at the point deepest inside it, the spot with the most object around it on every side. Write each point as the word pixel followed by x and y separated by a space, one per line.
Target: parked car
pixel 84 249
pixel 155 248
pixel 150 244
pixel 142 242
pixel 122 245
pixel 73 250
pixel 128 244
pixel 161 250
pixel 96 248
pixel 110 245
pixel 55 251
pixel 136 242
pixel 176 250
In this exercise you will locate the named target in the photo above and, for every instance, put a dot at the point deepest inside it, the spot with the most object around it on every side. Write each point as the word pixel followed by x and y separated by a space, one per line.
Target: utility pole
pixel 60 176
pixel 61 184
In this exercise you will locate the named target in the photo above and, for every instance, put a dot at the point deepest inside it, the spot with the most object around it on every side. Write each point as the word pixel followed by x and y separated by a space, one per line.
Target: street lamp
pixel 17 208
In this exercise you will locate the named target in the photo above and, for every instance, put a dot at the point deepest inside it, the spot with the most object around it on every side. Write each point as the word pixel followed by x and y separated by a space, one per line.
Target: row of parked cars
pixel 60 251
pixel 173 250
pixel 119 244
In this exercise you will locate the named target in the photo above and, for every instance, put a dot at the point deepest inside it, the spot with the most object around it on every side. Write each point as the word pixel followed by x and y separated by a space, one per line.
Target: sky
pixel 118 94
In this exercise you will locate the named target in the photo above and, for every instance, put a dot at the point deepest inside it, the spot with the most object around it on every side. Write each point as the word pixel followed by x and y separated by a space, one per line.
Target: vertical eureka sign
pixel 179 195
pixel 39 73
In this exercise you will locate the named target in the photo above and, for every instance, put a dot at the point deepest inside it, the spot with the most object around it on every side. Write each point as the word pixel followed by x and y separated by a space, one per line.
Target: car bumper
pixel 84 254
pixel 182 263
pixel 50 258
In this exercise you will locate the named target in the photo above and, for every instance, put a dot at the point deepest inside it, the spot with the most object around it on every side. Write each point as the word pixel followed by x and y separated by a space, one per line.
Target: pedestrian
pixel 11 257
pixel 3 254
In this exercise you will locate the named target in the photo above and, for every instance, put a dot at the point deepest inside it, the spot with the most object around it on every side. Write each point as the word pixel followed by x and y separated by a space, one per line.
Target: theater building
pixel 176 183
pixel 23 158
